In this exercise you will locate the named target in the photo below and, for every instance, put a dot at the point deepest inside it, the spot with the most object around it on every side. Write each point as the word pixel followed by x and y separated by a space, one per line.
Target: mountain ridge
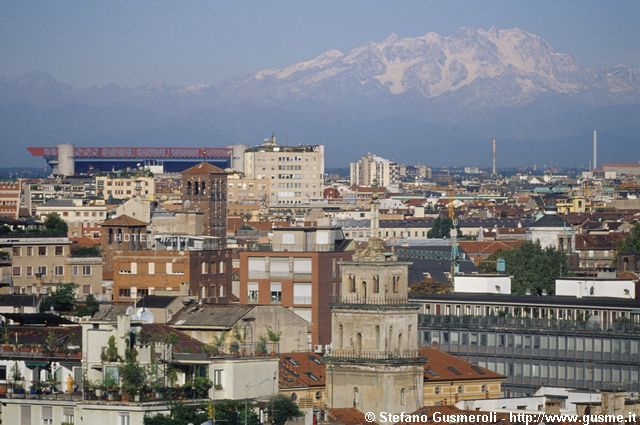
pixel 459 89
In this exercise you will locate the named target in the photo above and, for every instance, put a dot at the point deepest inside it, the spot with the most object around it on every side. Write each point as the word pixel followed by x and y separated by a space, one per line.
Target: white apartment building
pixel 294 172
pixel 373 170
pixel 76 213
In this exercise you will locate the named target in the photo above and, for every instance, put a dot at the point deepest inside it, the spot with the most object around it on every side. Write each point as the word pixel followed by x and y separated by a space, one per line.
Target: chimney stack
pixel 595 150
pixel 493 149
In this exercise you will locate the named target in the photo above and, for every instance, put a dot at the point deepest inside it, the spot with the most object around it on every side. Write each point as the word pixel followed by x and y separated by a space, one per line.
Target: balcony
pixel 363 355
pixel 356 300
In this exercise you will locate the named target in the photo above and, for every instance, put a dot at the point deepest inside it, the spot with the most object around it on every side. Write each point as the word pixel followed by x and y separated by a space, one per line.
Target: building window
pixel 86 270
pixel 253 292
pixel 67 415
pixel 58 270
pixel 42 270
pixel 16 251
pixel 74 270
pixel 396 284
pixel 30 251
pixel 59 250
pixel 352 283
pixel 29 271
pixel 17 271
pixel 3 373
pixel 302 293
pixel 124 419
pixel 42 250
pixel 460 389
pixel 217 378
pixel 276 293
pixel 436 390
pixel 376 284
pixel 402 394
pixel 47 415
pixel 124 292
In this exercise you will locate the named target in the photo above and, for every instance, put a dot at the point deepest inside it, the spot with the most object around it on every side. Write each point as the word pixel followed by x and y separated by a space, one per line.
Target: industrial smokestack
pixel 493 149
pixel 595 149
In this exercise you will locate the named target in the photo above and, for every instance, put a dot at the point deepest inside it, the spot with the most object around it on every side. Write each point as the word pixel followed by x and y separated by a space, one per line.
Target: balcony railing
pixel 620 326
pixel 355 299
pixel 373 355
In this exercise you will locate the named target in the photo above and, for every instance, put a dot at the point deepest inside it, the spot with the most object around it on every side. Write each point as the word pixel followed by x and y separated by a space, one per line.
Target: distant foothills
pixel 436 98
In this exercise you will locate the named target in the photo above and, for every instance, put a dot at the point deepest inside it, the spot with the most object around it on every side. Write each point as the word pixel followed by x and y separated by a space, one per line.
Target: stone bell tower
pixel 374 364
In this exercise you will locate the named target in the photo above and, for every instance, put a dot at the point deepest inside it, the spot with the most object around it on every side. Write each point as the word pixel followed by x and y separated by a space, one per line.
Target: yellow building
pixel 577 204
pixel 121 187
pixel 449 379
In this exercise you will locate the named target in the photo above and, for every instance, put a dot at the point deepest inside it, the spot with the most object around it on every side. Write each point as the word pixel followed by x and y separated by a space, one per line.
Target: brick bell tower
pixel 204 189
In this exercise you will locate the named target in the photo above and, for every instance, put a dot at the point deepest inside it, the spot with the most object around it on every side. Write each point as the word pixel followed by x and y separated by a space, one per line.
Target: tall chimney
pixel 493 149
pixel 595 149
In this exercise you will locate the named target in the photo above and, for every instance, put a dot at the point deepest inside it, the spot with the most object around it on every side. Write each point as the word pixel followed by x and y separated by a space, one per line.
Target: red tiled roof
pixel 203 168
pixel 160 332
pixel 441 366
pixel 608 241
pixel 347 416
pixel 301 370
pixel 125 221
pixel 488 247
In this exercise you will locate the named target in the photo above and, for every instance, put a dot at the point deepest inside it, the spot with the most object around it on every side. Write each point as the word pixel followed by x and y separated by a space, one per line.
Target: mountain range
pixel 432 99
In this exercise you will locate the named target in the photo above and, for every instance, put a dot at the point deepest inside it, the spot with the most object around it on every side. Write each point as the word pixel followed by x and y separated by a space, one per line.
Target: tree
pixel 55 225
pixel 132 374
pixel 63 299
pixel 534 269
pixel 90 307
pixel 281 409
pixel 227 412
pixel 632 242
pixel 111 353
pixel 441 228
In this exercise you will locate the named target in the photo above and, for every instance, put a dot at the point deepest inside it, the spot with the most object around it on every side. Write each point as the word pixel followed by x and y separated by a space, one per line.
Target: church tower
pixel 374 364
pixel 204 189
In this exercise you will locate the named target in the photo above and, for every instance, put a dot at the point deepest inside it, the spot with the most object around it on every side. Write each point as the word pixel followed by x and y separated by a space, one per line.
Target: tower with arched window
pixel 374 364
pixel 204 190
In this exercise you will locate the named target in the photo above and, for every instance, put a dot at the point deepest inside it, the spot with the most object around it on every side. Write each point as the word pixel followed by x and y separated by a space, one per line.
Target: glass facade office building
pixel 535 352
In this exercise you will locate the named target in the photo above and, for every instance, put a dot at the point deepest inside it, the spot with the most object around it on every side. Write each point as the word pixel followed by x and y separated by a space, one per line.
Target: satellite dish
pixel 144 315
pixel 187 204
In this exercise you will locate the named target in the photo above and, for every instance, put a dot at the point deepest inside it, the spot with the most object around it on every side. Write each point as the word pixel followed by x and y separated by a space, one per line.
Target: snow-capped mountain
pixel 474 61
pixel 434 97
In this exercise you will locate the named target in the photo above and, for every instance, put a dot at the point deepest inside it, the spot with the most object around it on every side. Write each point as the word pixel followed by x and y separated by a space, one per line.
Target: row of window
pixel 57 271
pixel 543 342
pixel 84 213
pixel 302 293
pixel 31 251
pixel 550 370
pixel 527 312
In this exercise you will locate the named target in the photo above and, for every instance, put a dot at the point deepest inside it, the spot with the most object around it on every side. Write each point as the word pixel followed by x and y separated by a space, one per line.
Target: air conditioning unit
pixel 318 349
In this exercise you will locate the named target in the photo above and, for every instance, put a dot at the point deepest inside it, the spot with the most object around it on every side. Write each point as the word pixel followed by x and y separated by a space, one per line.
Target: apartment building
pixel 79 214
pixel 189 265
pixel 37 192
pixel 9 199
pixel 246 191
pixel 302 271
pixel 295 173
pixel 372 170
pixel 39 264
pixel 125 187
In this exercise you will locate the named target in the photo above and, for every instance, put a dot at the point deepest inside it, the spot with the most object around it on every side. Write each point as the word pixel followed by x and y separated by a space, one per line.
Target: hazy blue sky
pixel 133 42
